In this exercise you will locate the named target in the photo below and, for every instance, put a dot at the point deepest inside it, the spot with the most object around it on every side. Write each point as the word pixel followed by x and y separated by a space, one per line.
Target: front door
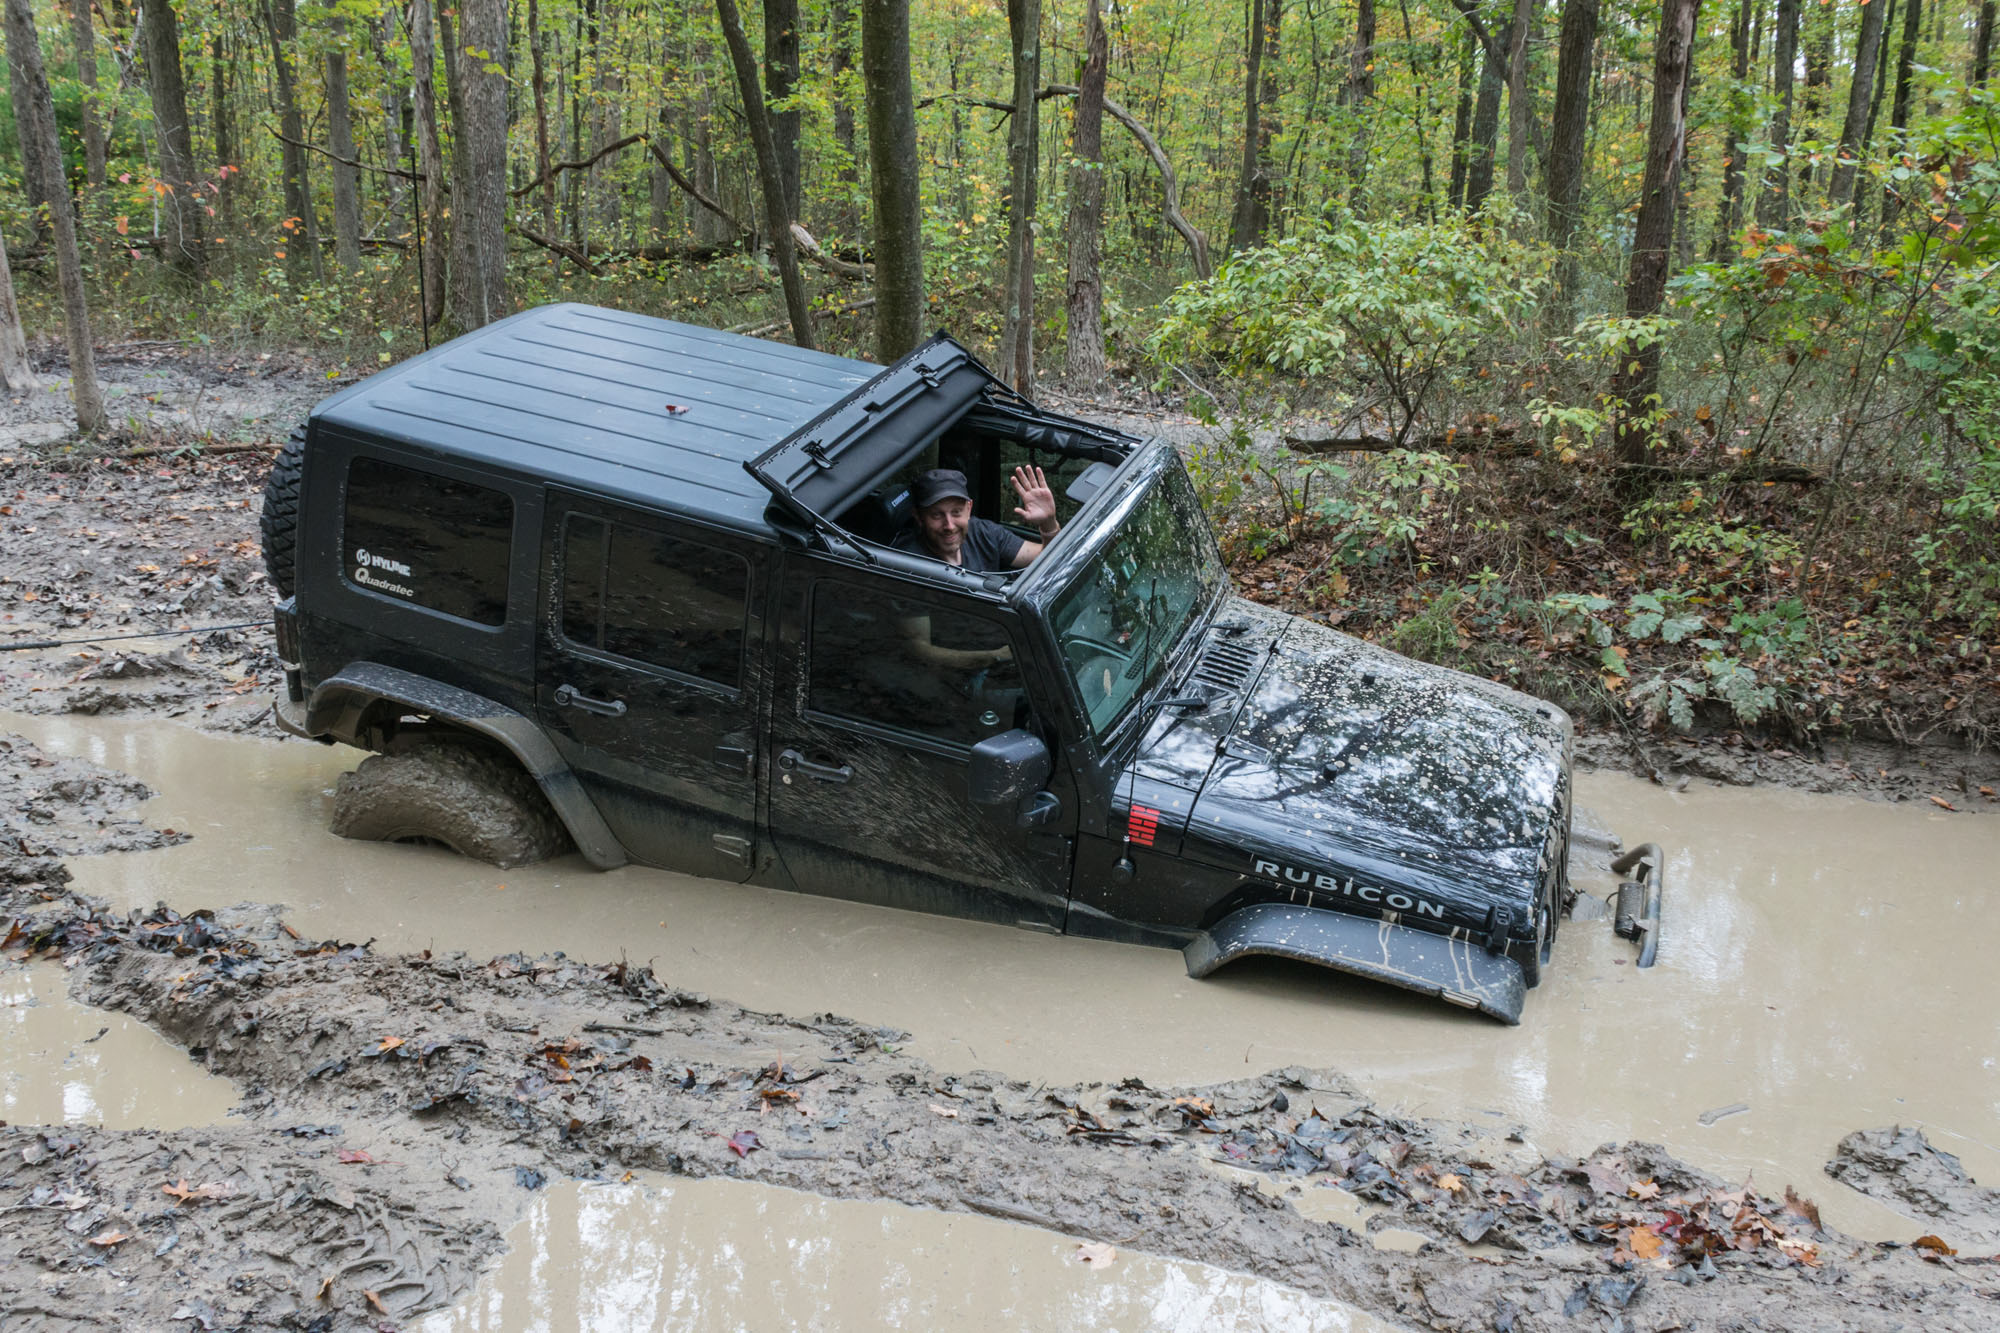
pixel 883 688
pixel 645 683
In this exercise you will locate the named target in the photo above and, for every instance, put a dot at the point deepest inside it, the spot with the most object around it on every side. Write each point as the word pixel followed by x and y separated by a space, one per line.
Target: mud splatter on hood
pixel 1344 757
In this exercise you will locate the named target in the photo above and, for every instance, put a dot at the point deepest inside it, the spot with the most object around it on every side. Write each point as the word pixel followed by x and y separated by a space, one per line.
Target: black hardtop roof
pixel 627 406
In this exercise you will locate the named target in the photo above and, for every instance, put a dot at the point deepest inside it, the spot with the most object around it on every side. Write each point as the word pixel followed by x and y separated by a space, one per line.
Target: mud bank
pixel 396 1107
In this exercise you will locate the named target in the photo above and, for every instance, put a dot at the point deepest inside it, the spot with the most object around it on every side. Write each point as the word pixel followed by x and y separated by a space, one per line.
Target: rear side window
pixel 655 598
pixel 431 540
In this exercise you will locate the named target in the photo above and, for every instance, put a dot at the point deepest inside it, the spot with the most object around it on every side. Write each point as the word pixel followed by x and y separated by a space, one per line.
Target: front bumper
pixel 1457 971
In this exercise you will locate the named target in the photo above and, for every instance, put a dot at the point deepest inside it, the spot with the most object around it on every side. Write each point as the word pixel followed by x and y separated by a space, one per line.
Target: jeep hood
pixel 1344 762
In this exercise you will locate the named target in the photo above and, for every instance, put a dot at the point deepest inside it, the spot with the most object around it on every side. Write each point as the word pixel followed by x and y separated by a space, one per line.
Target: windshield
pixel 1124 610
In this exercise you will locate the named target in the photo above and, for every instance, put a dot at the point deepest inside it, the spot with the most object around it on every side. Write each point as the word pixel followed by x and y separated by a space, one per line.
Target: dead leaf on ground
pixel 1933 1245
pixel 1803 1209
pixel 1645 1243
pixel 1095 1254
pixel 945 1111
pixel 1804 1251
pixel 1201 1106
pixel 325 1287
pixel 780 1095
pixel 1644 1189
pixel 110 1238
pixel 198 1193
pixel 1942 804
pixel 376 1301
pixel 388 1044
pixel 744 1142
pixel 1452 1181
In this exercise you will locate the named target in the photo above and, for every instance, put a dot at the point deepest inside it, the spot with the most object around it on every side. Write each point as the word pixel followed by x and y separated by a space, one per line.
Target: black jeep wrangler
pixel 585 576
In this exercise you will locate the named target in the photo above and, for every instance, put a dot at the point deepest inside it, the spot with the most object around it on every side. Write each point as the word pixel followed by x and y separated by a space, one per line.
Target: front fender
pixel 342 701
pixel 1454 970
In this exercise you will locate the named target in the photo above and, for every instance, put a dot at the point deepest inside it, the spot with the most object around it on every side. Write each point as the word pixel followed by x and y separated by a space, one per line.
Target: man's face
pixel 943 526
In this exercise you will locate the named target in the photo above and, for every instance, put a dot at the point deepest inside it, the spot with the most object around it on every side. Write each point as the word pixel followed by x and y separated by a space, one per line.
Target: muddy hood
pixel 1374 782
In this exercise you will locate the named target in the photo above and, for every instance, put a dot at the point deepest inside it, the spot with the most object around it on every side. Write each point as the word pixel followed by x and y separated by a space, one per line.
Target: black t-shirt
pixel 987 546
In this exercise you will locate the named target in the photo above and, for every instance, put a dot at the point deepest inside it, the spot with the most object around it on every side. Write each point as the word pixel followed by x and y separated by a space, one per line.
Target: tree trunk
pixel 1083 361
pixel 844 219
pixel 17 374
pixel 769 173
pixel 1520 110
pixel 160 38
pixel 1819 61
pixel 35 122
pixel 1728 212
pixel 781 80
pixel 1017 325
pixel 478 289
pixel 1774 202
pixel 1875 105
pixel 540 82
pixel 1461 121
pixel 1899 110
pixel 1486 121
pixel 1358 96
pixel 340 137
pixel 1570 132
pixel 1860 91
pixel 1982 45
pixel 436 230
pixel 892 177
pixel 1637 382
pixel 302 246
pixel 222 130
pixel 90 120
pixel 1247 224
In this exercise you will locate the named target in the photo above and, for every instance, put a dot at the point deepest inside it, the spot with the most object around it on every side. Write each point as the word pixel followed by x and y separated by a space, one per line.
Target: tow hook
pixel 1637 916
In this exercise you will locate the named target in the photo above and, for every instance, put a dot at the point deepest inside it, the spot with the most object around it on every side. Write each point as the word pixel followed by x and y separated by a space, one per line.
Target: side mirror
pixel 1008 768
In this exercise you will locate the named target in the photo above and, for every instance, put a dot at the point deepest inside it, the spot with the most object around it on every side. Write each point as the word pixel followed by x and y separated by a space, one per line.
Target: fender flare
pixel 1455 970
pixel 341 702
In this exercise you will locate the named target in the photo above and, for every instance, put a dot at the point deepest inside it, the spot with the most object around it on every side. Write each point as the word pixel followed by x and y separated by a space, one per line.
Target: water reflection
pixel 718 1255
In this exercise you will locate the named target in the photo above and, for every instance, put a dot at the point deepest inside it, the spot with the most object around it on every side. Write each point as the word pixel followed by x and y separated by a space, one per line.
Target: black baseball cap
pixel 940 483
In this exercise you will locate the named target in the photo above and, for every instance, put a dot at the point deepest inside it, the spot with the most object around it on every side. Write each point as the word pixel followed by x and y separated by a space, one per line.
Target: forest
pixel 1643 356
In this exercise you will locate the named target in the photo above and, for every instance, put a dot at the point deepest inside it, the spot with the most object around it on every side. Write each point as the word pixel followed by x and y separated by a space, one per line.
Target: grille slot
pixel 1226 666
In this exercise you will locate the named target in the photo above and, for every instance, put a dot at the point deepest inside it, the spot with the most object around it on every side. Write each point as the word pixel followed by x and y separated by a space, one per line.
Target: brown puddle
pixel 730 1254
pixel 1825 961
pixel 63 1062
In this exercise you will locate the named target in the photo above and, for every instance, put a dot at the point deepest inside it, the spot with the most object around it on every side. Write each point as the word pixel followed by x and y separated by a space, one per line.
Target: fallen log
pixel 840 268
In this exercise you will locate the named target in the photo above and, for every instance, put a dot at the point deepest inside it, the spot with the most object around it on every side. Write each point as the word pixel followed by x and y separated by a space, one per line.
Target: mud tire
pixel 278 525
pixel 475 800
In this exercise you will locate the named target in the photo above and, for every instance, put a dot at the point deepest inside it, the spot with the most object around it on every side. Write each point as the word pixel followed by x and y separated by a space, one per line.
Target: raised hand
pixel 1038 502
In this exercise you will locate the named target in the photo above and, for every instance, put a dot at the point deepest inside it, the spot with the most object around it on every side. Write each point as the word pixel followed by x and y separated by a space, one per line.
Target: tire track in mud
pixel 394 1107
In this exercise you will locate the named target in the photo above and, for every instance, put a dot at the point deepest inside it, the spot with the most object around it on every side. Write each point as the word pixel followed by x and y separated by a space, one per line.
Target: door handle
pixel 791 761
pixel 567 696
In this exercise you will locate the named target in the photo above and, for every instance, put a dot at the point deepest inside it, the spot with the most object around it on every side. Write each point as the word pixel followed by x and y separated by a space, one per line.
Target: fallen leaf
pixel 1644 1243
pixel 353 1155
pixel 198 1193
pixel 376 1301
pixel 1201 1106
pixel 1452 1181
pixel 1932 1244
pixel 1644 1189
pixel 945 1111
pixel 744 1142
pixel 1095 1254
pixel 780 1095
pixel 1804 1251
pixel 109 1238
pixel 1942 804
pixel 325 1287
pixel 1987 792
pixel 388 1044
pixel 1803 1209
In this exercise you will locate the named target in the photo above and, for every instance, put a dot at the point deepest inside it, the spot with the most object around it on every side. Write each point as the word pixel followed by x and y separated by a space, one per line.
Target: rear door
pixel 646 682
pixel 870 738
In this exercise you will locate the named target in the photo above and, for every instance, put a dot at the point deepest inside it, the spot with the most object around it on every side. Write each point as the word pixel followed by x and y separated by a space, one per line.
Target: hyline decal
pixel 1321 882
pixel 366 561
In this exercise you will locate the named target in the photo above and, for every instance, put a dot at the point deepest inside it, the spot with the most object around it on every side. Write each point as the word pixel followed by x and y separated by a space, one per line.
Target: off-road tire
pixel 474 799
pixel 278 525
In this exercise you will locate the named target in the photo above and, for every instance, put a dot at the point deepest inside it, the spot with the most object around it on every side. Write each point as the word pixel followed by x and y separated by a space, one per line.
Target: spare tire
pixel 473 798
pixel 279 524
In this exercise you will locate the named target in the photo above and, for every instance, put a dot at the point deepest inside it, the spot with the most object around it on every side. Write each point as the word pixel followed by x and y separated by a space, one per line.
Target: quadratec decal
pixel 366 562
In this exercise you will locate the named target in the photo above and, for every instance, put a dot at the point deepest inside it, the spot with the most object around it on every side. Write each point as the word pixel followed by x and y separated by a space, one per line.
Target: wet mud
pixel 668 1254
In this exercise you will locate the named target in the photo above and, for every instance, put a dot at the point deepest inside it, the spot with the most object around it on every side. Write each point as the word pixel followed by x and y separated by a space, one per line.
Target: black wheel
pixel 473 798
pixel 279 524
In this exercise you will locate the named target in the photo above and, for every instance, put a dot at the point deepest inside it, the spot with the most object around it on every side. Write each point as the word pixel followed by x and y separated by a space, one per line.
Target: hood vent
pixel 1227 666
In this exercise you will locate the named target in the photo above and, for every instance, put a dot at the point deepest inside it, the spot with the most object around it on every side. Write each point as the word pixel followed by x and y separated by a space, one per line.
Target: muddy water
pixel 725 1254
pixel 1826 962
pixel 63 1062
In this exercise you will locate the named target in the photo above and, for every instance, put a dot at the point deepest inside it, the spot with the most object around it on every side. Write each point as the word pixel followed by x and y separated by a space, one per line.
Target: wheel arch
pixel 355 702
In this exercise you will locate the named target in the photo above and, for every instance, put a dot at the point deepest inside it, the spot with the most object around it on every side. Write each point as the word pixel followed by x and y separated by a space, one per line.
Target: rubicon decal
pixel 1142 825
pixel 1321 882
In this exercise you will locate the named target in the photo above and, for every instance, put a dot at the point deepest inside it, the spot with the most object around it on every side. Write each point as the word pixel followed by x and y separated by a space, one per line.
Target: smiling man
pixel 943 525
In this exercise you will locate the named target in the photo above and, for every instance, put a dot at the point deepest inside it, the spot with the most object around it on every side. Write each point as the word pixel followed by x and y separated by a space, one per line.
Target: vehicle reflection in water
pixel 1826 961
pixel 718 1255
pixel 63 1062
